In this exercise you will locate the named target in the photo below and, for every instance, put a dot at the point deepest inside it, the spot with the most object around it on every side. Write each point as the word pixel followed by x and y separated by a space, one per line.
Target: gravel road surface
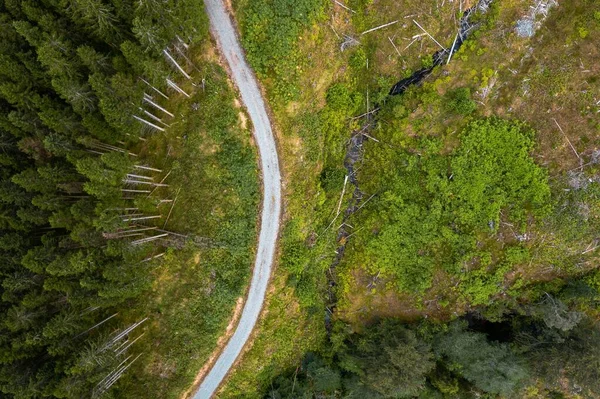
pixel 224 32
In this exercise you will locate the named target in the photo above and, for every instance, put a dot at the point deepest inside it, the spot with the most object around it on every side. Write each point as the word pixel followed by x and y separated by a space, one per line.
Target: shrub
pixel 459 101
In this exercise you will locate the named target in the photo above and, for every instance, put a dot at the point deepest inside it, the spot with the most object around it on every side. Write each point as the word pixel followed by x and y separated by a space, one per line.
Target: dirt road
pixel 224 32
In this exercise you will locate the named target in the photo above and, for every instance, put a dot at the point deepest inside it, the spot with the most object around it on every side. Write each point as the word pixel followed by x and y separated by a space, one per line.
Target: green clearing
pixel 480 212
pixel 312 109
pixel 555 244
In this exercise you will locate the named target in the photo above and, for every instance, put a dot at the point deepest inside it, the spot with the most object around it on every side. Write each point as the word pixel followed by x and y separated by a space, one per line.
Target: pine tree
pixel 69 87
pixel 490 366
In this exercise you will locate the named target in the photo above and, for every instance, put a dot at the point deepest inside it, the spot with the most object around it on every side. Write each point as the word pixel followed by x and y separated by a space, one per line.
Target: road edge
pixel 196 390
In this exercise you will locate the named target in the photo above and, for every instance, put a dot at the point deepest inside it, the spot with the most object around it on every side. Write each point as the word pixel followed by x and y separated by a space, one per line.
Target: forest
pixel 122 162
pixel 437 243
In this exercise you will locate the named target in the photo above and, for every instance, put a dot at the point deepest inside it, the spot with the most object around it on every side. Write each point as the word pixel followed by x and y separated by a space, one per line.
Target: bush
pixel 435 208
pixel 459 101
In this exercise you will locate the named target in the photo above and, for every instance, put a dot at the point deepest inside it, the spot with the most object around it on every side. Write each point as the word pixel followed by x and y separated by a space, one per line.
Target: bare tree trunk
pixel 148 123
pixel 108 236
pixel 122 344
pixel 568 141
pixel 154 257
pixel 138 229
pixel 140 176
pixel 171 210
pixel 342 195
pixel 127 233
pixel 142 218
pixel 123 333
pixel 427 33
pixel 98 325
pixel 115 377
pixel 172 85
pixel 126 190
pixel 182 42
pixel 161 181
pixel 380 27
pixel 102 382
pixel 149 239
pixel 344 7
pixel 153 117
pixel 155 89
pixel 147 168
pixel 395 48
pixel 103 146
pixel 184 56
pixel 148 99
pixel 137 137
pixel 130 181
pixel 452 49
pixel 176 64
pixel 339 205
pixel 131 343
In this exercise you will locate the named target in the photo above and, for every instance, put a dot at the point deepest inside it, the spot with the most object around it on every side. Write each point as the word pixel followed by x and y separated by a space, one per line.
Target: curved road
pixel 224 32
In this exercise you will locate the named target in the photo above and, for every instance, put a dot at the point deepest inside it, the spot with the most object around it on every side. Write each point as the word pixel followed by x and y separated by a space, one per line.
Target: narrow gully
pixel 354 152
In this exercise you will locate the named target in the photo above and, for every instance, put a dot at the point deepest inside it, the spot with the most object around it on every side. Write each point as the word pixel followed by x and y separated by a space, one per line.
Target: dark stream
pixel 354 152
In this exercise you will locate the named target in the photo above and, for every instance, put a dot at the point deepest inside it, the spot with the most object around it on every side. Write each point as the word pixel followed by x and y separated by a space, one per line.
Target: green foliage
pixel 490 366
pixel 387 361
pixel 574 356
pixel 460 102
pixel 358 60
pixel 493 170
pixel 340 97
pixel 391 360
pixel 332 178
pixel 465 218
pixel 427 61
pixel 69 85
pixel 270 32
pixel 435 208
pixel 341 102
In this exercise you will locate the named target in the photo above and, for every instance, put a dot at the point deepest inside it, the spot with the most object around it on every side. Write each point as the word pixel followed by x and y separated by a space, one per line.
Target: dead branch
pixel 171 210
pixel 395 48
pixel 379 27
pixel 431 37
pixel 349 41
pixel 568 141
pixel 155 89
pixel 452 49
pixel 147 168
pixel 165 52
pixel 148 123
pixel 344 7
pixel 342 196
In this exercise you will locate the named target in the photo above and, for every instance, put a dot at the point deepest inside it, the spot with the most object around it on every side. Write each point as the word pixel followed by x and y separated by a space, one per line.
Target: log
pixel 148 123
pixel 427 33
pixel 176 64
pixel 379 27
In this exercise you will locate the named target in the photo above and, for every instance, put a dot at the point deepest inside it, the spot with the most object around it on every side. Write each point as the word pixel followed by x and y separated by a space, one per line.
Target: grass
pixel 208 161
pixel 312 132
pixel 533 80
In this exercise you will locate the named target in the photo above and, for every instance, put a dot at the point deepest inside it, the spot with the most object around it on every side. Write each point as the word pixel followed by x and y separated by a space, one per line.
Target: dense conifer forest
pixel 84 191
